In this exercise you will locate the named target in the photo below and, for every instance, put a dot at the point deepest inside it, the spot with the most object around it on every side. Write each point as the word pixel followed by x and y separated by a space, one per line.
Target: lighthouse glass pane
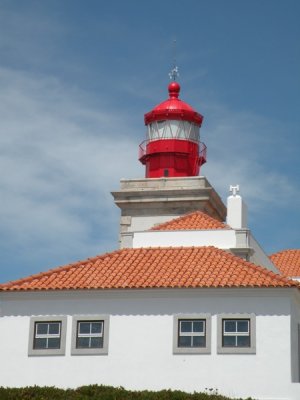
pixel 153 130
pixel 194 132
pixel 191 131
pixel 173 129
pixel 148 133
pixel 161 128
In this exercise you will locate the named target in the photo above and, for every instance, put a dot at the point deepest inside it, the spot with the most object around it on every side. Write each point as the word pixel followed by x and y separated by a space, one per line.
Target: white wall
pixel 221 238
pixel 140 342
pixel 295 339
pixel 237 213
pixel 145 222
pixel 260 257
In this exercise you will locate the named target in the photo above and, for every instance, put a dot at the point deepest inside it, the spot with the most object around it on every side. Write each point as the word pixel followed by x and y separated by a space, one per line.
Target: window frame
pixel 105 332
pixel 32 336
pixel 235 349
pixel 192 350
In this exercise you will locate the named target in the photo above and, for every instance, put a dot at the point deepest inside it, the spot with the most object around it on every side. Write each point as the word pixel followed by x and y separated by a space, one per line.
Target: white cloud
pixel 245 148
pixel 59 161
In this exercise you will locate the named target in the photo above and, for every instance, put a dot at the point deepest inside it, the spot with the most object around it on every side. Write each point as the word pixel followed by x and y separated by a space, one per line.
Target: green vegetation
pixel 95 392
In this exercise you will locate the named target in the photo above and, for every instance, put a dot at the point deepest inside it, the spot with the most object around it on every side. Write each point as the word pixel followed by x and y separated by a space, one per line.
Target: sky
pixel 77 77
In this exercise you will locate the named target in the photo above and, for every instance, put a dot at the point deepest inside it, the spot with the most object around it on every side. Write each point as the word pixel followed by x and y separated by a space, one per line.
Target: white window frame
pixel 251 349
pixel 62 320
pixel 89 335
pixel 47 335
pixel 75 334
pixel 177 319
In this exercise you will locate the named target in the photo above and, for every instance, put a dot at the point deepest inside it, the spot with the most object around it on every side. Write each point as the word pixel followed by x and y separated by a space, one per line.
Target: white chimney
pixel 236 209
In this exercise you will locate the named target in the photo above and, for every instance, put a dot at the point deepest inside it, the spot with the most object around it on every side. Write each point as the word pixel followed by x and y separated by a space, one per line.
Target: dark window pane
pixel 198 326
pixel 84 327
pixel 97 327
pixel 83 343
pixel 243 341
pixel 229 341
pixel 198 341
pixel 53 343
pixel 229 326
pixel 41 328
pixel 243 326
pixel 184 341
pixel 54 328
pixel 40 343
pixel 185 326
pixel 96 342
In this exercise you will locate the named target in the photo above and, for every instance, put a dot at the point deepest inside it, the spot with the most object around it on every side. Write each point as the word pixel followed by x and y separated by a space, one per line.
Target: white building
pixel 188 302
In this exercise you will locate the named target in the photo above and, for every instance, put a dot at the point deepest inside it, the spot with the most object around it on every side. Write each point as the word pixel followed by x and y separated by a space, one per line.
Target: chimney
pixel 236 209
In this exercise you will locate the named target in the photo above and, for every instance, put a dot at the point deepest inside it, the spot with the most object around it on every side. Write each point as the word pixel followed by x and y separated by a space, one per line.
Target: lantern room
pixel 172 147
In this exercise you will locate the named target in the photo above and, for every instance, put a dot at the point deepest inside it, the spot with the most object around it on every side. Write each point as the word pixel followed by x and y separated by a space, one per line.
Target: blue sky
pixel 76 78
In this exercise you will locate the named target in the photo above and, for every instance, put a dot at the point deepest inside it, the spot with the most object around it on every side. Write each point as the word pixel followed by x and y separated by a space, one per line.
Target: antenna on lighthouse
pixel 174 74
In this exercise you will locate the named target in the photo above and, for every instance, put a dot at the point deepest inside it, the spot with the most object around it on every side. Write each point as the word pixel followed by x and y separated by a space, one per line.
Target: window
pixel 90 335
pixel 236 333
pixel 191 333
pixel 47 336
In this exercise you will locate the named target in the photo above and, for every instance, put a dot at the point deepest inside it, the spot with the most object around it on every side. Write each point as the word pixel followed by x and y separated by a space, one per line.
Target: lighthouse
pixel 172 154
pixel 172 147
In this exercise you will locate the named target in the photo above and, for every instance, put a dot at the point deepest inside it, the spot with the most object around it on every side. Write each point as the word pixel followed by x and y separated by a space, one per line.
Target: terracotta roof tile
pixel 184 267
pixel 287 261
pixel 196 220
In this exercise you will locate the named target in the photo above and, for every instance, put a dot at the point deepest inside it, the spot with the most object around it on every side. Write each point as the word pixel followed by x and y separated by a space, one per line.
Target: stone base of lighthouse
pixel 147 202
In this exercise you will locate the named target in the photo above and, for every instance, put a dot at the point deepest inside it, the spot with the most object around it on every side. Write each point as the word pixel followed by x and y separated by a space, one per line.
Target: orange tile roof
pixel 184 267
pixel 196 220
pixel 287 261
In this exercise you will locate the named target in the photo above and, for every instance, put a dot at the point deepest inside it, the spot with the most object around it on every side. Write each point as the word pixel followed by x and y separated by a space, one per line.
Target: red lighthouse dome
pixel 172 147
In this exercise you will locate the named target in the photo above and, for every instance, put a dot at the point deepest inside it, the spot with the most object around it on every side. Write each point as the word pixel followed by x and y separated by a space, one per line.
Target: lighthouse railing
pixel 202 152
